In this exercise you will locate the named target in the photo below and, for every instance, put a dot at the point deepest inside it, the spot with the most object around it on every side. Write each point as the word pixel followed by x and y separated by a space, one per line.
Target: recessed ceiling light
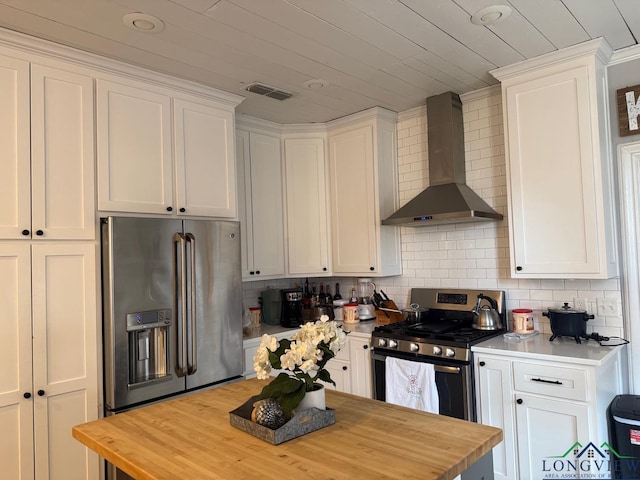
pixel 491 15
pixel 315 84
pixel 142 22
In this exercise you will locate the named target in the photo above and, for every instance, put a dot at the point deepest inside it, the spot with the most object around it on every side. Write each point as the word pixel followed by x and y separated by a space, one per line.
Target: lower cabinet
pixel 552 413
pixel 49 358
pixel 350 369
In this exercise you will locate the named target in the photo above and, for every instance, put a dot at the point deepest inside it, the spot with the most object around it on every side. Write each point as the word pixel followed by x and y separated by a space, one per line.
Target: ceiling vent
pixel 268 91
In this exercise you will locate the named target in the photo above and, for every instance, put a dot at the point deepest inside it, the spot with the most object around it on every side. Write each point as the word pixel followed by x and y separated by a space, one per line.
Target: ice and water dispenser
pixel 148 345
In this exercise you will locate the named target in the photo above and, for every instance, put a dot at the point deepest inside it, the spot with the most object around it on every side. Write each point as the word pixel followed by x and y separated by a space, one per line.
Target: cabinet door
pixel 360 353
pixel 549 428
pixel 134 149
pixel 340 372
pixel 62 178
pixel 554 180
pixel 306 200
pixel 245 215
pixel 65 357
pixel 15 170
pixel 266 206
pixel 16 411
pixel 353 219
pixel 494 401
pixel 204 160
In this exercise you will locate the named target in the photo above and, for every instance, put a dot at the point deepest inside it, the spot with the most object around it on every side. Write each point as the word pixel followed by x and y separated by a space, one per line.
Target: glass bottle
pixel 337 296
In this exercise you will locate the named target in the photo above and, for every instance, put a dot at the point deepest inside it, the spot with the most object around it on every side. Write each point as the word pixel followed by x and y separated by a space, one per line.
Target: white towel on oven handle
pixel 411 384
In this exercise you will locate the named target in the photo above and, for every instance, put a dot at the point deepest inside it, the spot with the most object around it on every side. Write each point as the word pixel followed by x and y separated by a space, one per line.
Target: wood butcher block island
pixel 191 438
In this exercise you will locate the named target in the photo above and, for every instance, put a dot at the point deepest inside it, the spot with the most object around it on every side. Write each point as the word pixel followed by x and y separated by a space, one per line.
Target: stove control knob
pixel 382 342
pixel 437 351
pixel 393 344
pixel 414 347
pixel 450 352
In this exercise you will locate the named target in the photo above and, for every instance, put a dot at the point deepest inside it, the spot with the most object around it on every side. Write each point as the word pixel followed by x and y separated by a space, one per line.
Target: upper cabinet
pixel 164 152
pixel 47 145
pixel 261 205
pixel 559 171
pixel 306 205
pixel 363 184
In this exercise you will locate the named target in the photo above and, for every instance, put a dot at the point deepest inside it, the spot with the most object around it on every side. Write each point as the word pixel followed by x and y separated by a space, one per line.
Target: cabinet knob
pixel 519 401
pixel 27 395
pixel 344 368
pixel 182 210
pixel 372 268
pixel 41 393
pixel 257 272
pixel 39 233
pixel 169 209
pixel 324 269
pixel 26 232
pixel 519 268
pixel 366 347
pixel 252 273
pixel 482 364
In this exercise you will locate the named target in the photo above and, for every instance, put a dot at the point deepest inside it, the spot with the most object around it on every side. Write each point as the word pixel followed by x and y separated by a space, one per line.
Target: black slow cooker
pixel 569 322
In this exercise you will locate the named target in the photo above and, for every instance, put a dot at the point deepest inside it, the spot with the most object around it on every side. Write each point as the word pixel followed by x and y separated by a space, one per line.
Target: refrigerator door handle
pixel 192 365
pixel 180 303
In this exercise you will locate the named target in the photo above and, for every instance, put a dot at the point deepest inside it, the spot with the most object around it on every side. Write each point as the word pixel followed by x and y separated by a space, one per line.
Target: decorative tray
pixel 301 423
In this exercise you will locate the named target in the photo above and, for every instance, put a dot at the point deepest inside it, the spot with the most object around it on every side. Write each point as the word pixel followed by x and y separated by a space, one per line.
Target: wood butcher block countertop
pixel 190 438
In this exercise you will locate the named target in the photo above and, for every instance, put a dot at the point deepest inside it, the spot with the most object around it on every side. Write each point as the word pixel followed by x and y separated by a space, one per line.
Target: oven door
pixel 453 380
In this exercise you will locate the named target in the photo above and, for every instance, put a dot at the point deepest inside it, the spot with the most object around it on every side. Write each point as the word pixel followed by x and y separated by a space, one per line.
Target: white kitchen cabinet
pixel 260 205
pixel 306 205
pixel 351 368
pixel 49 354
pixel 559 169
pixel 163 152
pixel 545 402
pixel 47 145
pixel 360 357
pixel 339 367
pixel 364 190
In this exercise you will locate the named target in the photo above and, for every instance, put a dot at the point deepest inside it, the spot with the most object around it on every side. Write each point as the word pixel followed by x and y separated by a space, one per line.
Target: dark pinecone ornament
pixel 268 413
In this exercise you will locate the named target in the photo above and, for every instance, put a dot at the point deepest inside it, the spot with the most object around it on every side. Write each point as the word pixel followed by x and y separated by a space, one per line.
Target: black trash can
pixel 624 437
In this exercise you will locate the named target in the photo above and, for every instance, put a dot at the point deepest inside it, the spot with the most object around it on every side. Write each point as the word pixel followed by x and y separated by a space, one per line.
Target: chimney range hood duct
pixel 448 199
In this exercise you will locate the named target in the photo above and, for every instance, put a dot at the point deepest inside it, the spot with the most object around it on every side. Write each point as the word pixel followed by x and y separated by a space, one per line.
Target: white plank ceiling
pixel 389 53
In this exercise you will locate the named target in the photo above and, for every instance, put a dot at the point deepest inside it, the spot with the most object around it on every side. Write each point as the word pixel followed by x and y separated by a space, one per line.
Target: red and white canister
pixel 522 320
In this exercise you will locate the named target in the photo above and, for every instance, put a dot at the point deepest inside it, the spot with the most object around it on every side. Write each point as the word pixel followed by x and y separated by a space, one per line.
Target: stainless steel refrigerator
pixel 172 301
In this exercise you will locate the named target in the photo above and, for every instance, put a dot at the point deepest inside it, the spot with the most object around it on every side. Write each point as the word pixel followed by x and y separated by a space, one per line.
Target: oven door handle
pixel 443 369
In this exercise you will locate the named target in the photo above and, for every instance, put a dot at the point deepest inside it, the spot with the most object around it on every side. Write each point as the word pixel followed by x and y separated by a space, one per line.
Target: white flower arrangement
pixel 303 357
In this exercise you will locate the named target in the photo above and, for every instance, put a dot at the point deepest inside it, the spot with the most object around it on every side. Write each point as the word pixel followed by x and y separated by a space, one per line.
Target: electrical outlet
pixel 608 307
pixel 580 303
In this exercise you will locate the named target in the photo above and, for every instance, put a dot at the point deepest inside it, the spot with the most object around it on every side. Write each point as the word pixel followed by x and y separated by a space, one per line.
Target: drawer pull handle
pixel 555 382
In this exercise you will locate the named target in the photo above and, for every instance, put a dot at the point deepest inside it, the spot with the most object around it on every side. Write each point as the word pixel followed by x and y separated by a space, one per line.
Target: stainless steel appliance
pixel 291 315
pixel 172 300
pixel 443 336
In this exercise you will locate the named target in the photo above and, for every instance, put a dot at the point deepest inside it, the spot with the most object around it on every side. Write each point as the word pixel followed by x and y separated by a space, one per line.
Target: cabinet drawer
pixel 561 382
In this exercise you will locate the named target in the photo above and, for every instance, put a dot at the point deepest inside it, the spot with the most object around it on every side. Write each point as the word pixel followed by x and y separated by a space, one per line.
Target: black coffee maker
pixel 291 315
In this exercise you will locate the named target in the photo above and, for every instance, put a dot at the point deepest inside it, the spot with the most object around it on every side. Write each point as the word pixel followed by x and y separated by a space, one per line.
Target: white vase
pixel 314 398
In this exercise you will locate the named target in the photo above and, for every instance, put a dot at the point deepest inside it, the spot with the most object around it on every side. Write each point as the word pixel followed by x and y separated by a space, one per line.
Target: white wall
pixel 477 255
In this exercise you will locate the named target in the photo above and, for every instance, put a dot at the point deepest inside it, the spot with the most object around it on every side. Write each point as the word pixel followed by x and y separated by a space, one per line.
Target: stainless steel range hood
pixel 448 199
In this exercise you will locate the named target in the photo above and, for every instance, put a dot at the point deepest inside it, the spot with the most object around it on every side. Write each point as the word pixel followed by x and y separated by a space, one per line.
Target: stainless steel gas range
pixel 443 336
